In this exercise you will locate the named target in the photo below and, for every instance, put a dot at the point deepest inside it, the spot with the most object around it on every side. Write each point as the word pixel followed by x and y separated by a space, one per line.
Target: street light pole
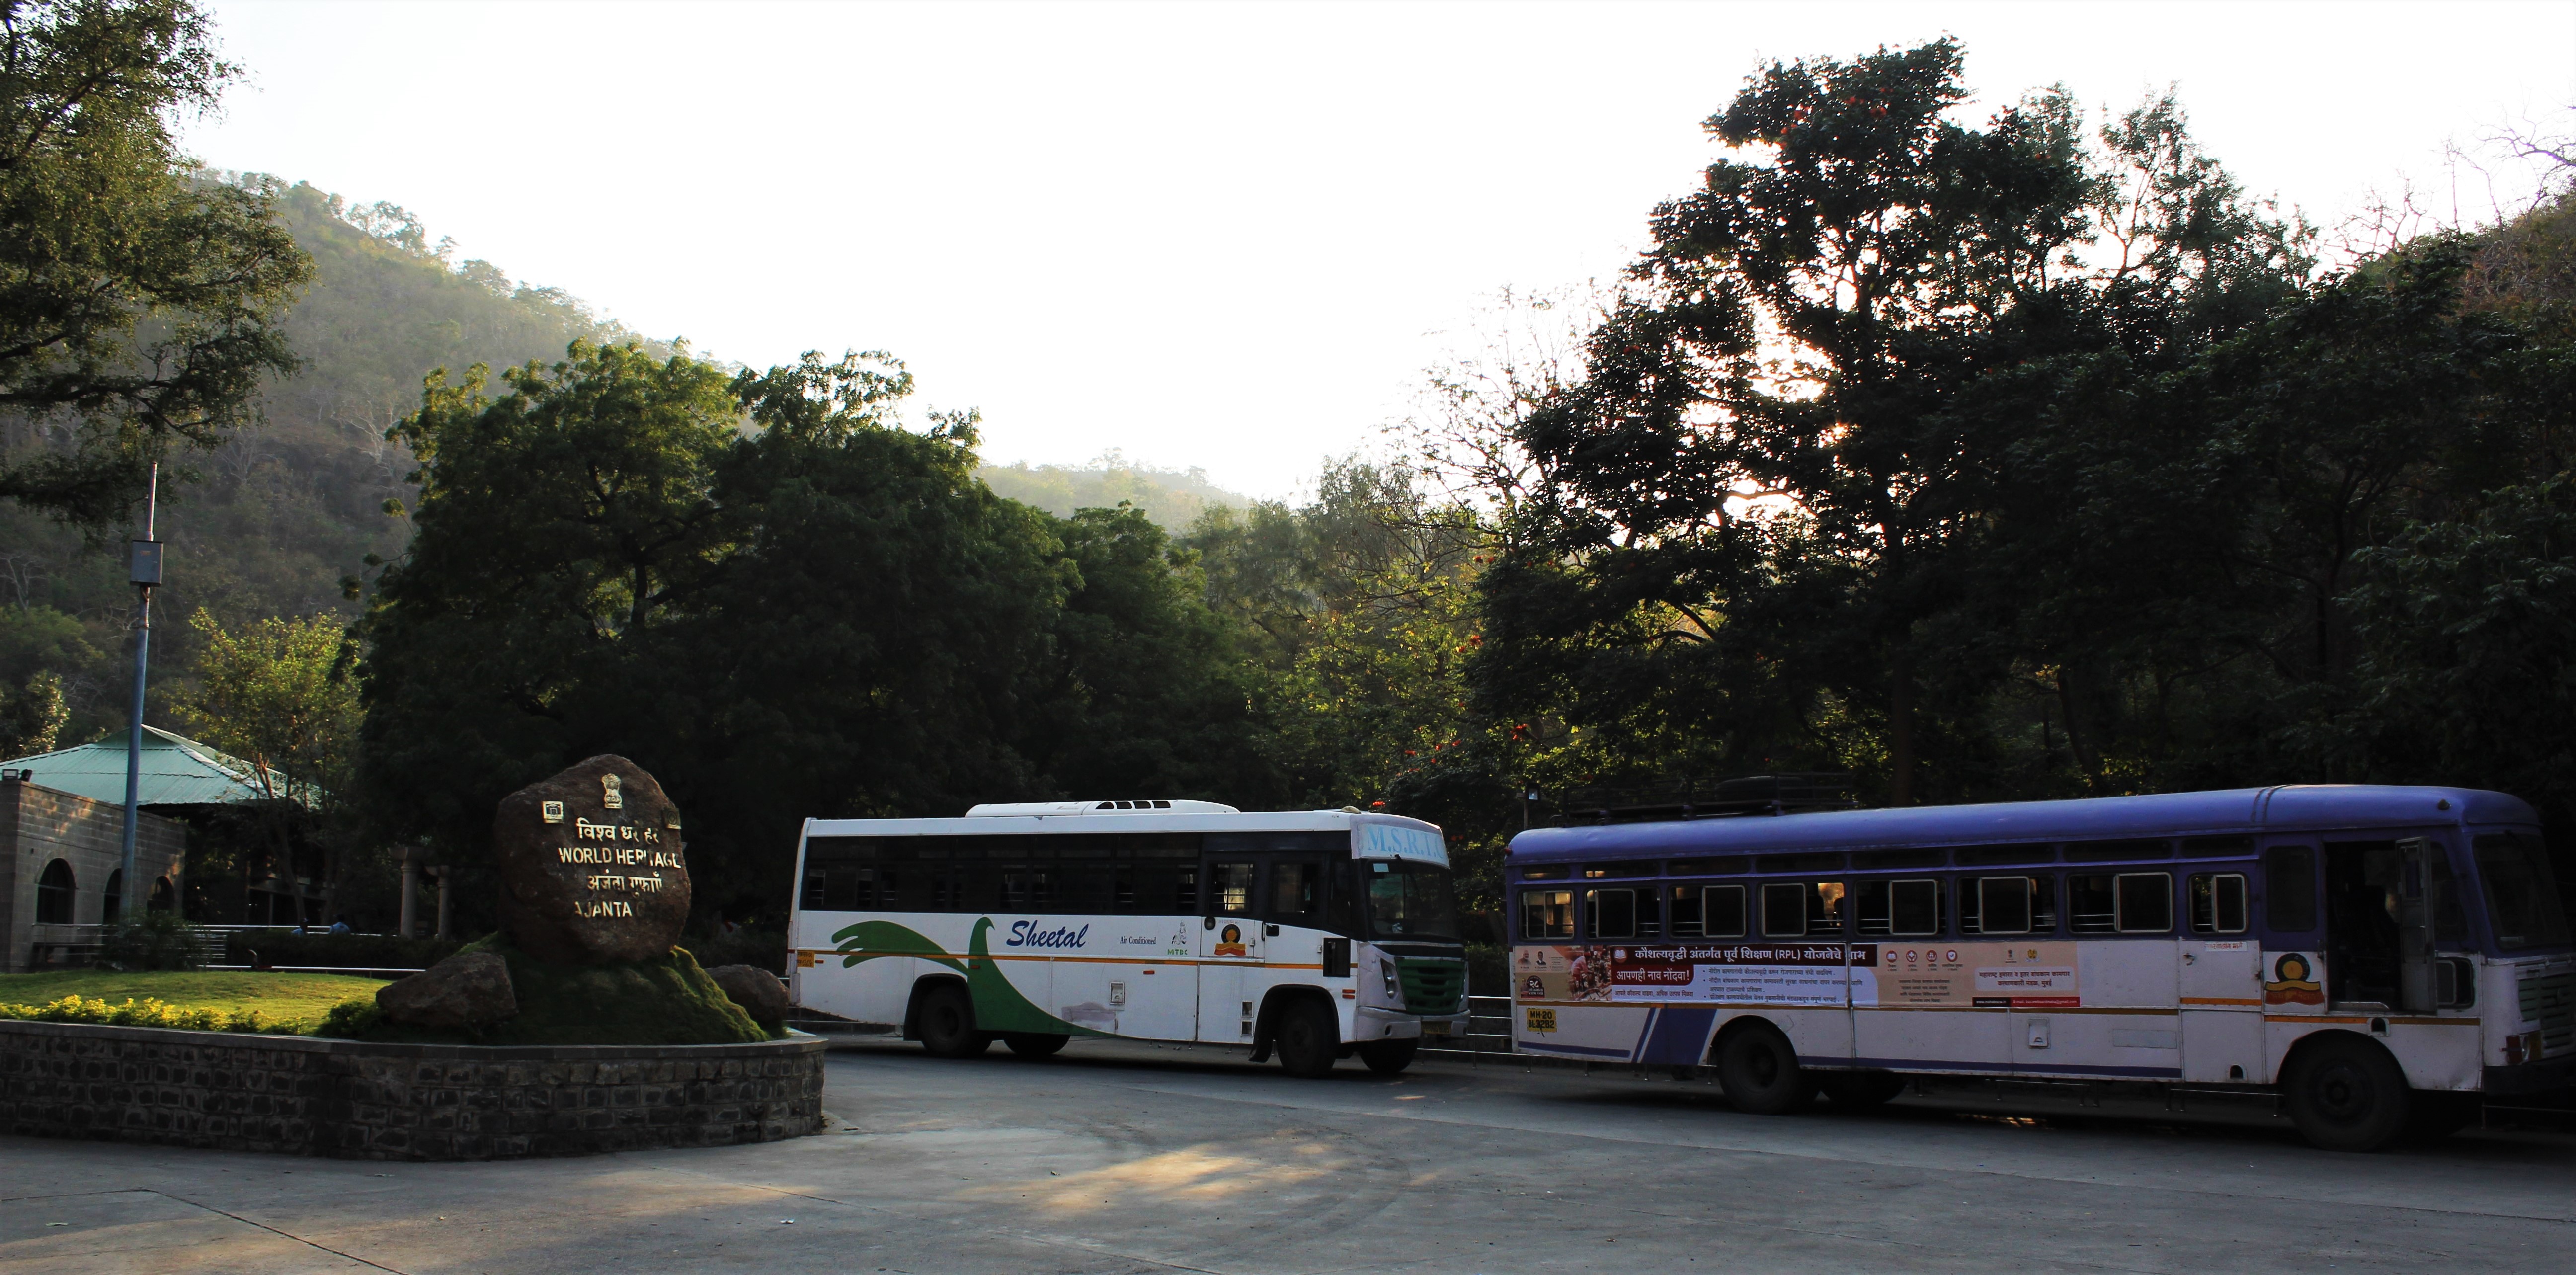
pixel 146 564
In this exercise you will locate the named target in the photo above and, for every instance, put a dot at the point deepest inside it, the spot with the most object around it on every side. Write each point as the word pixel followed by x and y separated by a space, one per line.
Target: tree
pixel 560 529
pixel 32 716
pixel 281 694
pixel 1762 511
pixel 138 300
pixel 767 590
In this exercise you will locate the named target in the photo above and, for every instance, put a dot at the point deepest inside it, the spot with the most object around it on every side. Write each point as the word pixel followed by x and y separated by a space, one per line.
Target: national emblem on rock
pixel 591 865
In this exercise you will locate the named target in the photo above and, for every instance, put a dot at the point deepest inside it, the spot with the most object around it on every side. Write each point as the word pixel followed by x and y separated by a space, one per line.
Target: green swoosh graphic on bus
pixel 868 940
pixel 998 1005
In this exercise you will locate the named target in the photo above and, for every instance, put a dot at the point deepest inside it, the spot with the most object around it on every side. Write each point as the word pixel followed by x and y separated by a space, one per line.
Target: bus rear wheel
pixel 947 1023
pixel 1860 1090
pixel 1389 1057
pixel 1759 1071
pixel 2347 1095
pixel 1034 1044
pixel 1310 1037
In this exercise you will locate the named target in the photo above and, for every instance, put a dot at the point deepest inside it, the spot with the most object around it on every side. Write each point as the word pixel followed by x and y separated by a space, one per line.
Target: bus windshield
pixel 2522 894
pixel 1410 901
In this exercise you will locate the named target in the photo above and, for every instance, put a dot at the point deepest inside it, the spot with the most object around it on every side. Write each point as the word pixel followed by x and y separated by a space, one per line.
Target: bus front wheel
pixel 1389 1057
pixel 2347 1095
pixel 1034 1044
pixel 947 1023
pixel 1759 1071
pixel 1310 1037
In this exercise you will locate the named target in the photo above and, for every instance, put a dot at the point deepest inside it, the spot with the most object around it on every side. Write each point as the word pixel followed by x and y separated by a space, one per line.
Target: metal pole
pixel 410 890
pixel 143 582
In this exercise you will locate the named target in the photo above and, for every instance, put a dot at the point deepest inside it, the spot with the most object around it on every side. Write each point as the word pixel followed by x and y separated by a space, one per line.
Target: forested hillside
pixel 1172 498
pixel 275 518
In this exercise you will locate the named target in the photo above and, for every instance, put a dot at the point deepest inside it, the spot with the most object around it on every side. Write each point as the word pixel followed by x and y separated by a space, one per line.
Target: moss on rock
pixel 665 1000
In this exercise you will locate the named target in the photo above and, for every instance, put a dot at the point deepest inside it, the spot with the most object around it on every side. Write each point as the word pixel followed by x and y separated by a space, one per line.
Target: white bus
pixel 2377 957
pixel 1322 934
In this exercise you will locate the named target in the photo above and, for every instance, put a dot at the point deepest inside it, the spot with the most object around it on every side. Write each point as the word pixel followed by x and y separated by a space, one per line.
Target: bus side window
pixel 1721 909
pixel 1784 909
pixel 1825 907
pixel 1900 908
pixel 1547 914
pixel 1610 914
pixel 2290 889
pixel 1230 887
pixel 2089 904
pixel 1158 887
pixel 2218 903
pixel 1684 912
pixel 2145 902
pixel 1296 892
pixel 2004 905
pixel 979 887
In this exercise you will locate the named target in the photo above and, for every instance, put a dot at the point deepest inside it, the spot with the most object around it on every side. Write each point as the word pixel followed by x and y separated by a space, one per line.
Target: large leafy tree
pixel 1765 511
pixel 139 302
pixel 769 592
pixel 559 527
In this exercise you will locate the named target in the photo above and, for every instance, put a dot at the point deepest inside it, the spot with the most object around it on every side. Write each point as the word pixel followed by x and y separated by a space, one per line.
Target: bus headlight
pixel 1394 991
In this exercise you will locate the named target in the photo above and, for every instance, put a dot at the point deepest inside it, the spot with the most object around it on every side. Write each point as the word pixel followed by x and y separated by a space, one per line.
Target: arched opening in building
pixel 115 901
pixel 54 894
pixel 165 896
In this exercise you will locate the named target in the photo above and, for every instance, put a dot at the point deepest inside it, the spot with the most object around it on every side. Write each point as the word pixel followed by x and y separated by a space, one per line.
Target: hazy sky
pixel 1228 236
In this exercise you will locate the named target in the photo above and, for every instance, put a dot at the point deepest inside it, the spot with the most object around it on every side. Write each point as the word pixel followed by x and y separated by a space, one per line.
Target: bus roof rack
pixel 1797 792
pixel 1049 809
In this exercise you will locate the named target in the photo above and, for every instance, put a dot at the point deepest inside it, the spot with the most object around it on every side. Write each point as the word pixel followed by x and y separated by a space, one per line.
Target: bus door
pixel 1229 947
pixel 2220 981
pixel 2364 924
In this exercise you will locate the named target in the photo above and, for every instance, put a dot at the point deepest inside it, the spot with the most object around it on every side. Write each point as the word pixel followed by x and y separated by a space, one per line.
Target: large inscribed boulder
pixel 591 865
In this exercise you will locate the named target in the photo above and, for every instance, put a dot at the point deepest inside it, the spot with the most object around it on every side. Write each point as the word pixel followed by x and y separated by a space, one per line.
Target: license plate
pixel 1435 1029
pixel 1542 1020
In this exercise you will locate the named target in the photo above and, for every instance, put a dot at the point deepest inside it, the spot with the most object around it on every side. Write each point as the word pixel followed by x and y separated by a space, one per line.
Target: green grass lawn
pixel 279 996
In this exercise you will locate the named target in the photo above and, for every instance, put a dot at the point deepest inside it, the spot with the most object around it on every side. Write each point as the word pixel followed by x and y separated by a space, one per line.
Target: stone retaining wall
pixel 358 1100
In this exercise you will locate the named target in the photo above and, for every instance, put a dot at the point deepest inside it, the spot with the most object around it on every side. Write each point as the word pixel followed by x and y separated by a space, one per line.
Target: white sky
pixel 1228 236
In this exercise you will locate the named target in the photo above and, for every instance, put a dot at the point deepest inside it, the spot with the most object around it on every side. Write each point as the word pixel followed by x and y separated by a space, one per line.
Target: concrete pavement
pixel 1121 1157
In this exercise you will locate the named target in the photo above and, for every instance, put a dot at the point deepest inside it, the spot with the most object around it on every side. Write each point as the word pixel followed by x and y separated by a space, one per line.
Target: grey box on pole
pixel 147 562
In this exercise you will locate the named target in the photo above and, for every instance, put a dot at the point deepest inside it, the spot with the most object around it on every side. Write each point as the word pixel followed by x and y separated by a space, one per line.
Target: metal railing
pixel 1488 1035
pixel 59 946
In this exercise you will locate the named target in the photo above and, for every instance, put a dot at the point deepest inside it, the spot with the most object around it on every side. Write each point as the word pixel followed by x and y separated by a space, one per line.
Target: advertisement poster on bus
pixel 1766 972
pixel 1986 975
pixel 2028 975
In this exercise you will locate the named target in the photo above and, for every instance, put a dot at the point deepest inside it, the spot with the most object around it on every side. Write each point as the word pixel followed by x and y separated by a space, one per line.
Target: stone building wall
pixel 39 825
pixel 359 1100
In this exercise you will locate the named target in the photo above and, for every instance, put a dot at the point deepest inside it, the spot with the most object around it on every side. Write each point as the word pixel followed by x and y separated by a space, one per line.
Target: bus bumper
pixel 1369 1024
pixel 2531 1077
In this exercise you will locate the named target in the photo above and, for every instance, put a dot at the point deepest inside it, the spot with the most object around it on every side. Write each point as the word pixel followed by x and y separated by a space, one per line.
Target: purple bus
pixel 2379 957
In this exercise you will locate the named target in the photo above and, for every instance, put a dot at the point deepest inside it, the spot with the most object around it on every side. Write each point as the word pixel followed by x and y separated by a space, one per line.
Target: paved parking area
pixel 1122 1157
